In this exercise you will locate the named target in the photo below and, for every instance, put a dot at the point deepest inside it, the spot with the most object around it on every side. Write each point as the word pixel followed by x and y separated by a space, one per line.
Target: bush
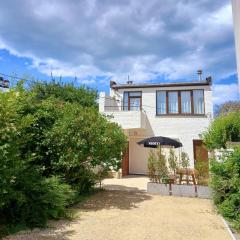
pixel 51 139
pixel 37 199
pixel 157 168
pixel 225 183
pixel 152 166
pixel 224 128
pixel 184 160
pixel 172 161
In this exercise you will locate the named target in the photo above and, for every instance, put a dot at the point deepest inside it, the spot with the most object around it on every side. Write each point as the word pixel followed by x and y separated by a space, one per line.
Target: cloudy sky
pixel 99 40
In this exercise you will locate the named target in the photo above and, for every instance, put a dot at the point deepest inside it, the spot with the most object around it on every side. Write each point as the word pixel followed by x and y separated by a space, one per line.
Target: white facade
pixel 142 124
pixel 236 22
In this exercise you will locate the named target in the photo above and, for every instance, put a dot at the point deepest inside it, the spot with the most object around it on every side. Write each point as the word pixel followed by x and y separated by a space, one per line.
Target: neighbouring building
pixel 236 22
pixel 4 84
pixel 176 110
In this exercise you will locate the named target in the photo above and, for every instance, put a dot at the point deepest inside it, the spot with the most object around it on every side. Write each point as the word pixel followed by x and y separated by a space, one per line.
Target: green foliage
pixel 51 140
pixel 224 128
pixel 161 166
pixel 227 107
pixel 172 161
pixel 152 166
pixel 65 92
pixel 225 183
pixel 36 199
pixel 157 167
pixel 184 160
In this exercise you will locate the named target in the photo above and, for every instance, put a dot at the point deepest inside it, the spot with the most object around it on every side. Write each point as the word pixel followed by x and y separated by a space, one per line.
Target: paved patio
pixel 125 211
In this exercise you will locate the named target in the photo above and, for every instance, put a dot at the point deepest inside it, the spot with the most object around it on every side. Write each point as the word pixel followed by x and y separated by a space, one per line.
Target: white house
pixel 236 22
pixel 176 110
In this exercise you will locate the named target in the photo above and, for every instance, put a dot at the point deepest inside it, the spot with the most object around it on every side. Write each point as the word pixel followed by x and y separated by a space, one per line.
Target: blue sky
pixel 153 41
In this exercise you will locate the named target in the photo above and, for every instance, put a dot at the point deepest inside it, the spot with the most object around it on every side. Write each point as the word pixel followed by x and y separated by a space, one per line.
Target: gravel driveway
pixel 126 212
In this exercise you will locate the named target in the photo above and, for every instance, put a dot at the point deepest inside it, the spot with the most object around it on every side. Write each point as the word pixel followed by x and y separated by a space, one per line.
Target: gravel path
pixel 126 212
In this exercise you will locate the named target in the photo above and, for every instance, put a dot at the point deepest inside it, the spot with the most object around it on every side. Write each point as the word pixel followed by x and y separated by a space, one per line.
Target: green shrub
pixel 172 161
pixel 161 166
pixel 36 199
pixel 50 132
pixel 184 160
pixel 157 167
pixel 224 128
pixel 152 166
pixel 83 96
pixel 225 183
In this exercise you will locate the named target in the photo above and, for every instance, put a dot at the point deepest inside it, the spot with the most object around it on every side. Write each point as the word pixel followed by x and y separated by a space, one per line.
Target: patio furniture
pixel 189 173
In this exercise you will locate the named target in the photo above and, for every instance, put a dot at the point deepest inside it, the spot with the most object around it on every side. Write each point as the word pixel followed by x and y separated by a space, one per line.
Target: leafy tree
pixel 224 128
pixel 85 97
pixel 81 140
pixel 152 166
pixel 184 161
pixel 225 108
pixel 172 161
pixel 51 140
pixel 26 197
pixel 161 166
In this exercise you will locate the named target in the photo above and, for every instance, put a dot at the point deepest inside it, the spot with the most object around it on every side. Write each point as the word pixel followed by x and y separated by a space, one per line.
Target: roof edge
pixel 206 82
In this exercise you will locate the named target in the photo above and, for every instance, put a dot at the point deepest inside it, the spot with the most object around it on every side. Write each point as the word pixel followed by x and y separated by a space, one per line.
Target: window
pixel 132 101
pixel 198 100
pixel 161 102
pixel 172 102
pixel 125 101
pixel 180 102
pixel 186 102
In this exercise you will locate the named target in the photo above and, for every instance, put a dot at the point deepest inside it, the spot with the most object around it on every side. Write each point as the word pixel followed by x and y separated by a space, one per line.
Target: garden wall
pixel 179 190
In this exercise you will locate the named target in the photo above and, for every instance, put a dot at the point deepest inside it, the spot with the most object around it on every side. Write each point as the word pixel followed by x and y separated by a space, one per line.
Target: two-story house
pixel 176 110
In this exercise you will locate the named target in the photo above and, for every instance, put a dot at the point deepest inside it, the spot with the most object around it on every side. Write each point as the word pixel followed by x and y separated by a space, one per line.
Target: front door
pixel 201 161
pixel 125 162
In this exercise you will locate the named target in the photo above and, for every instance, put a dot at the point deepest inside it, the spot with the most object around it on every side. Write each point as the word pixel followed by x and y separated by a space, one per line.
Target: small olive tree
pixel 161 166
pixel 157 167
pixel 152 166
pixel 184 161
pixel 172 161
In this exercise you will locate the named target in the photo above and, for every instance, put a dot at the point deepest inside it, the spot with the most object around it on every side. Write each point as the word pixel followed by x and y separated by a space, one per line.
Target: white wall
pixel 236 21
pixel 186 128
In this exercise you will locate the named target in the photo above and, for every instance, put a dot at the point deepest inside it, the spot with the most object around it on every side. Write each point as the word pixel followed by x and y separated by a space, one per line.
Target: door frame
pixel 125 162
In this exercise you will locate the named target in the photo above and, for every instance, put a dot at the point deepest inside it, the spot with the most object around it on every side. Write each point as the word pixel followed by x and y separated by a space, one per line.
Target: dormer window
pixel 132 101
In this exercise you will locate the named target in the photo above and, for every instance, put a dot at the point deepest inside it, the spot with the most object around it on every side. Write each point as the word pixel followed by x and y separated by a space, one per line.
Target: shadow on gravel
pixel 120 197
pixel 56 232
pixel 124 198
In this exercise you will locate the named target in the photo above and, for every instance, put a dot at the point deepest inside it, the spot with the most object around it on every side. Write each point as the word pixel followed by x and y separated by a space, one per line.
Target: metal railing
pixel 121 108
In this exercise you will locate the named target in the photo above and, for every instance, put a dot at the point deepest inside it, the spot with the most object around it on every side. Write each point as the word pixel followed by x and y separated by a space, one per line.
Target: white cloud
pixel 118 38
pixel 224 93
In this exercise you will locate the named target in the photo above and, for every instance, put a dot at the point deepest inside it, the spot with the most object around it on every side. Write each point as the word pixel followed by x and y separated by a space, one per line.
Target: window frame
pixel 180 103
pixel 129 97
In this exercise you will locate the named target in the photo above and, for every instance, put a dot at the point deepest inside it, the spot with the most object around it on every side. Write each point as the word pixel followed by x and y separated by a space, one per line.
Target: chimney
pixel 209 80
pixel 128 81
pixel 112 83
pixel 199 72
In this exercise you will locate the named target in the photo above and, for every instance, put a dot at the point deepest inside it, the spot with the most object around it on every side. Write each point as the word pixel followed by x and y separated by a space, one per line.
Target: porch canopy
pixel 153 142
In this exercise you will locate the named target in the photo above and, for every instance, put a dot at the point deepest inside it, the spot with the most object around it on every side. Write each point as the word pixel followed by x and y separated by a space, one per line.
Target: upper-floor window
pixel 132 101
pixel 180 102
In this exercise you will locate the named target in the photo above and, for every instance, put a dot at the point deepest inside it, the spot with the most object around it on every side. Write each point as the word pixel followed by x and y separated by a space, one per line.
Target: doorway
pixel 125 162
pixel 201 162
